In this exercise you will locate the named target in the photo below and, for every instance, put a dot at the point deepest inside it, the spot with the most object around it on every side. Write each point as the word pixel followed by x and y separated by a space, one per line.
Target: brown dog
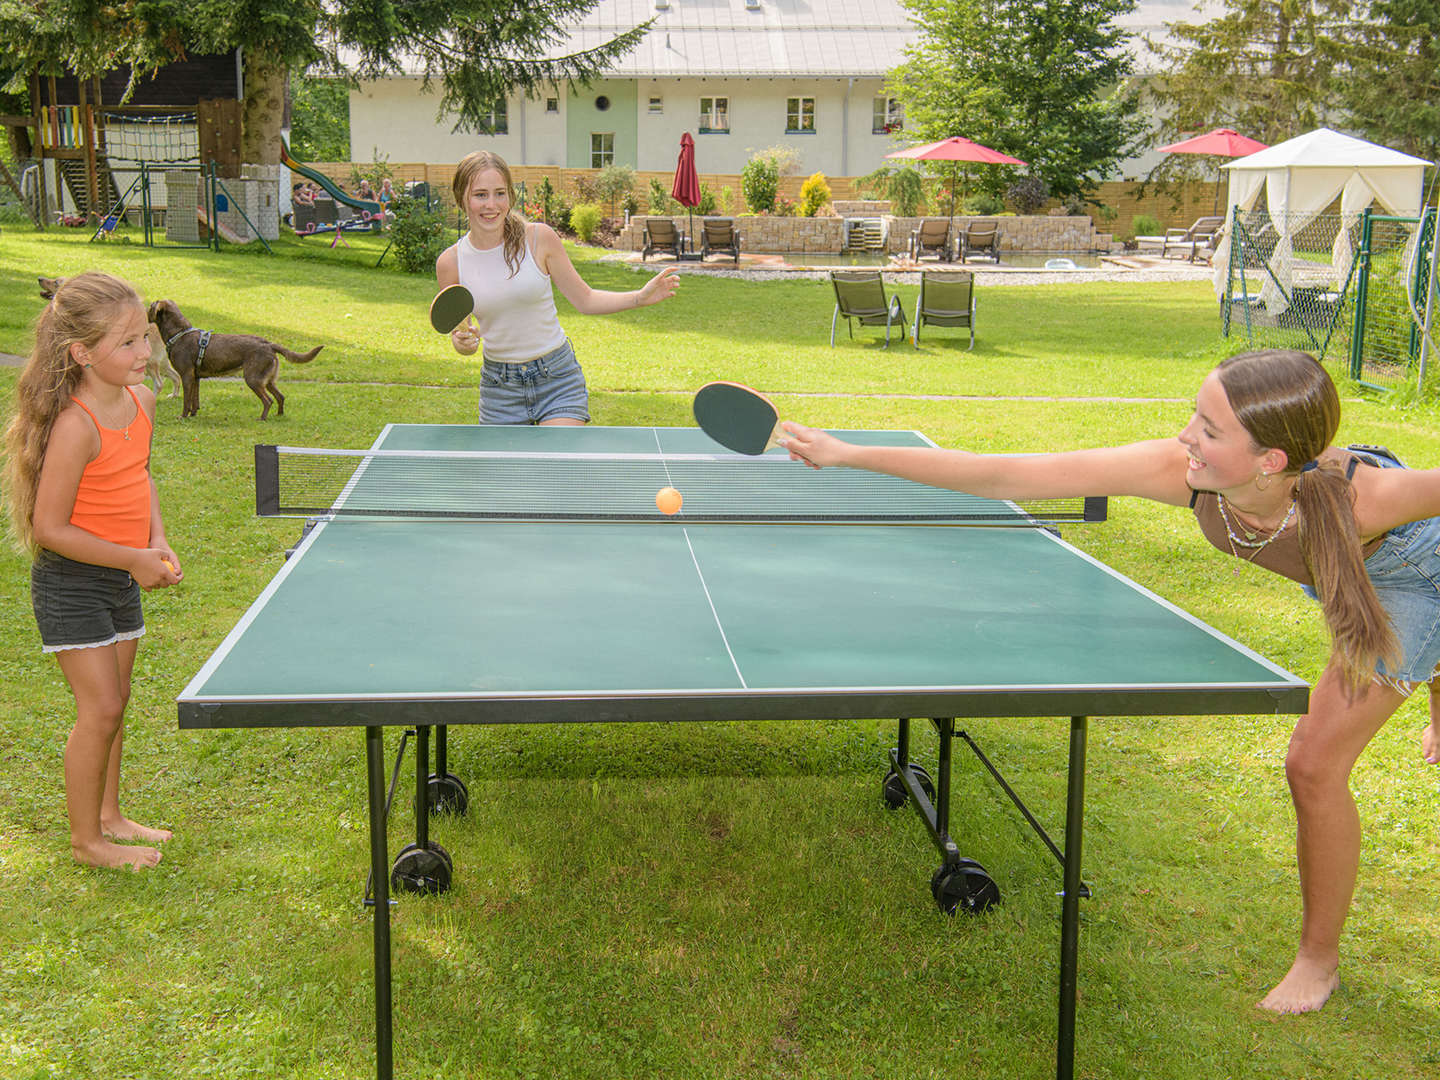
pixel 157 368
pixel 257 358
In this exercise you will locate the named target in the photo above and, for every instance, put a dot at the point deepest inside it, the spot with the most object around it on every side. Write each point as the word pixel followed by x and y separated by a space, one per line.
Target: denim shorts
pixel 80 606
pixel 534 390
pixel 1405 570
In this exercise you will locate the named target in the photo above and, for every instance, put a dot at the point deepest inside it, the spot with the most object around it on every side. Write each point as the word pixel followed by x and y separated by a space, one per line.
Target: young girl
pixel 530 374
pixel 1356 529
pixel 83 503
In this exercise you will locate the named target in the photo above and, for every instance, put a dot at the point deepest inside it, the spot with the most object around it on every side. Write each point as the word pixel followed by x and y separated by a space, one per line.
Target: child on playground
pixel 1353 526
pixel 530 374
pixel 83 503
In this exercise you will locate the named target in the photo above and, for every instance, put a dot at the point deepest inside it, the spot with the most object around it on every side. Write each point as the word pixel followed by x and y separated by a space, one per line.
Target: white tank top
pixel 516 315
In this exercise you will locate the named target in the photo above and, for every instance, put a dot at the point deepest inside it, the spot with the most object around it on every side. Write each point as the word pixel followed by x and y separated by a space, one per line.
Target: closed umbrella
pixel 686 188
pixel 955 149
pixel 1220 143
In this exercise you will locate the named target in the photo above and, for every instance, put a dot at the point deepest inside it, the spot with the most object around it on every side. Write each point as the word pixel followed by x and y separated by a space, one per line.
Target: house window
pixel 496 121
pixel 799 115
pixel 888 115
pixel 657 106
pixel 714 115
pixel 552 105
pixel 602 149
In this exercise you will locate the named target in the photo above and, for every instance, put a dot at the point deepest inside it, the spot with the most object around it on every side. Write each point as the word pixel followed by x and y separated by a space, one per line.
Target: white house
pixel 739 75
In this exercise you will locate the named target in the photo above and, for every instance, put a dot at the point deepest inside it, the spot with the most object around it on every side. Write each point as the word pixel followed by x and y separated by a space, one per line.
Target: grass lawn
pixel 689 900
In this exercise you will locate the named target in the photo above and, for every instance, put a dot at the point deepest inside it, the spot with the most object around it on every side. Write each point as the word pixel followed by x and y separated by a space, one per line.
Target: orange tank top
pixel 113 500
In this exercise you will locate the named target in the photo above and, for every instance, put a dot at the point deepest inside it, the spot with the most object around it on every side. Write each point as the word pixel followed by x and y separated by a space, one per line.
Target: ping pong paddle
pixel 451 307
pixel 737 417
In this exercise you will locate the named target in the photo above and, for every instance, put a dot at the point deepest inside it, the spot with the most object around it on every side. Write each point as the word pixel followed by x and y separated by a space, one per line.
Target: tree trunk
pixel 264 109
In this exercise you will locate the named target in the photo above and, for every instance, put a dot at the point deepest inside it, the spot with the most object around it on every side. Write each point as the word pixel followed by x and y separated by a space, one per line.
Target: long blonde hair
pixel 471 166
pixel 83 311
pixel 1286 401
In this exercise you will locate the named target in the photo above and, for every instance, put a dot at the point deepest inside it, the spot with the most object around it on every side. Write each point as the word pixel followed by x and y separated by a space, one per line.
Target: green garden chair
pixel 860 297
pixel 946 299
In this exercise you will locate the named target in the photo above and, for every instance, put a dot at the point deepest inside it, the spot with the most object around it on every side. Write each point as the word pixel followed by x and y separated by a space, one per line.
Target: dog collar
pixel 182 333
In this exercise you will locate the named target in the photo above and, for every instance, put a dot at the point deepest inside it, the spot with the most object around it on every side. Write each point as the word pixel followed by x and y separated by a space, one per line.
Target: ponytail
pixel 1285 400
pixel 1360 630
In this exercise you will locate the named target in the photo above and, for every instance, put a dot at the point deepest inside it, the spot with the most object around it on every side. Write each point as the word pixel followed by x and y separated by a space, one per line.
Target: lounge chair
pixel 860 297
pixel 719 236
pixel 661 235
pixel 933 235
pixel 980 238
pixel 946 299
pixel 1188 243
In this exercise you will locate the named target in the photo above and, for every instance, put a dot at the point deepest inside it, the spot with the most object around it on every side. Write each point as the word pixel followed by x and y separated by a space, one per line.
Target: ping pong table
pixel 501 594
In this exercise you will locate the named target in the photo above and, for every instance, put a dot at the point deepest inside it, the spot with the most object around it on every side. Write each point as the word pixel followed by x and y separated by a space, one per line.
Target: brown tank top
pixel 1281 555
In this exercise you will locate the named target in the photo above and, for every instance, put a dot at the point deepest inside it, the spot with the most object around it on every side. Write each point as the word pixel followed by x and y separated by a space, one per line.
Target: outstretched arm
pixel 555 260
pixel 1151 470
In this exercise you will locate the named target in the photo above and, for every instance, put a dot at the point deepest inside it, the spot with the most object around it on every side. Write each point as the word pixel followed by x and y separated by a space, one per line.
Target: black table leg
pixel 1070 902
pixel 380 876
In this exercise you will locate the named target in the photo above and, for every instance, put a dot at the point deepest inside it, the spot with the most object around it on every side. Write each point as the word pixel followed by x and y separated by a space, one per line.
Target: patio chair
pixel 660 234
pixel 1188 243
pixel 933 235
pixel 860 297
pixel 980 238
pixel 718 236
pixel 947 298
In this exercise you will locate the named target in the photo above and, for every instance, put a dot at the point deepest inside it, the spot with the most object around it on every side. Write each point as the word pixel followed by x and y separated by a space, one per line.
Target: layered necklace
pixel 1249 541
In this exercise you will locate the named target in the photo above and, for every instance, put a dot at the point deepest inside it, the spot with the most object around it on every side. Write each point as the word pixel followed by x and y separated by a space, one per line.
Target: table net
pixel 306 482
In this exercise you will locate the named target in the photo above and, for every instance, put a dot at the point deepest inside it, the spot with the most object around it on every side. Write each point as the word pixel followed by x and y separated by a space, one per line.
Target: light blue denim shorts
pixel 1405 570
pixel 534 390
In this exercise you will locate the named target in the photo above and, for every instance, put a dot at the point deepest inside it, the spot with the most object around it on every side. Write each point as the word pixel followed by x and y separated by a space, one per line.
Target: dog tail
pixel 294 357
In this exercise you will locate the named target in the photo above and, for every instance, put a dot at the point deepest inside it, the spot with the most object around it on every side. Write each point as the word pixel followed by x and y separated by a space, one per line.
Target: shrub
pixel 1145 225
pixel 659 198
pixel 1027 194
pixel 417 233
pixel 784 207
pixel 903 186
pixel 613 183
pixel 760 181
pixel 706 206
pixel 585 219
pixel 984 205
pixel 814 194
pixel 546 200
pixel 727 201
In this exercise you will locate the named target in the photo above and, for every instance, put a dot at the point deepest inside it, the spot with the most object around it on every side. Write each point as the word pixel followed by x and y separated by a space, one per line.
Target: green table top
pixel 436 620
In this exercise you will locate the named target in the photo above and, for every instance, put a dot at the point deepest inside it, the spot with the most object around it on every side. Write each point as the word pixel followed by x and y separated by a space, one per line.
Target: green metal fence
pixel 1394 275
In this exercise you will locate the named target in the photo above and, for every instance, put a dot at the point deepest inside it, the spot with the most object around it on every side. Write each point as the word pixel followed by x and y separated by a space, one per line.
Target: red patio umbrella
pixel 686 188
pixel 1220 143
pixel 957 148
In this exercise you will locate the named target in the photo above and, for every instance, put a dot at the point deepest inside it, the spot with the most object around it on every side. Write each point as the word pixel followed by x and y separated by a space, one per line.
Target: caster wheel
pixel 964 886
pixel 447 794
pixel 421 870
pixel 895 792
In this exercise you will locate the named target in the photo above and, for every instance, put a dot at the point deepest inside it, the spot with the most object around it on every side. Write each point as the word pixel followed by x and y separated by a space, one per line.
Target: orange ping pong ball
pixel 668 500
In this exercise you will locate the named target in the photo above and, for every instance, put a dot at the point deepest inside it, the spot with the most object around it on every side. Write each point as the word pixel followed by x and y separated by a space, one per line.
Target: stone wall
pixel 826 235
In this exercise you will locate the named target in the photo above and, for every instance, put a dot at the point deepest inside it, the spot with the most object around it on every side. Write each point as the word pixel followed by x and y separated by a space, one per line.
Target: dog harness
pixel 204 343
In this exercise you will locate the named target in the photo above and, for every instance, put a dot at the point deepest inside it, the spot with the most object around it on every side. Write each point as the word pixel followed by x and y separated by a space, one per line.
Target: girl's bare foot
pixel 125 829
pixel 105 854
pixel 1430 743
pixel 1305 988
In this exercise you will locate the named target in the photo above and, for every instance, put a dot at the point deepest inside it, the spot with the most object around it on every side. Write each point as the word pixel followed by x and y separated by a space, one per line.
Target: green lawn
pixel 688 900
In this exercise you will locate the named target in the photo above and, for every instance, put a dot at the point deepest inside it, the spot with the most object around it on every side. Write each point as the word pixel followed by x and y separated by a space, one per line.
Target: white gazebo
pixel 1301 177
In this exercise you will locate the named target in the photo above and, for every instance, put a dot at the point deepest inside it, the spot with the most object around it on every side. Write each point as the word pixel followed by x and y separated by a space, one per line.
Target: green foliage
pixel 546 200
pixel 320 119
pixel 1389 89
pixel 660 200
pixel 1145 225
pixel 418 234
pixel 1033 80
pixel 1269 70
pixel 727 200
pixel 760 180
pixel 584 220
pixel 1027 195
pixel 814 195
pixel 613 183
pixel 706 206
pixel 902 185
pixel 984 204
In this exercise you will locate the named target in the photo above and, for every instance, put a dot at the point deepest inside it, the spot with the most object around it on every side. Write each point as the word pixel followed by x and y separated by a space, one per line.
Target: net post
pixel 267 480
pixel 1096 508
